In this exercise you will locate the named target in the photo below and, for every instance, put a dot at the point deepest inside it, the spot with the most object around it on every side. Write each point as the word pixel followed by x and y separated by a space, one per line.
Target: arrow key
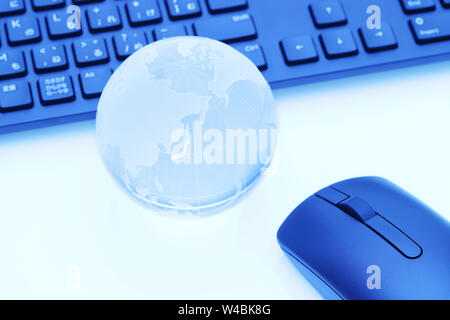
pixel 338 43
pixel 300 49
pixel 327 13
pixel 378 39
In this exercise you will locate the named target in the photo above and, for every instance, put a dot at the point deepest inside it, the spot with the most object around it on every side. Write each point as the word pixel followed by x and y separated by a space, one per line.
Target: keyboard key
pixel 181 9
pixel 255 53
pixel 415 6
pixel 47 4
pixel 431 28
pixel 338 43
pixel 90 51
pixel 49 58
pixel 446 3
pixel 378 39
pixel 217 6
pixel 12 64
pixel 57 25
pixel 126 43
pixel 169 31
pixel 103 18
pixel 56 88
pixel 21 30
pixel 93 81
pixel 297 50
pixel 10 7
pixel 15 95
pixel 327 13
pixel 227 28
pixel 141 12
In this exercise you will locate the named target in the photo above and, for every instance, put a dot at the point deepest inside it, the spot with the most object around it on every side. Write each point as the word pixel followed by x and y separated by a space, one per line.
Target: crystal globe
pixel 187 124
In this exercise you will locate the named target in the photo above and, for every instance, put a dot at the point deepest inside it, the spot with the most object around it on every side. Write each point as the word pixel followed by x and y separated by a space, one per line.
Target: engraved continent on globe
pixel 187 124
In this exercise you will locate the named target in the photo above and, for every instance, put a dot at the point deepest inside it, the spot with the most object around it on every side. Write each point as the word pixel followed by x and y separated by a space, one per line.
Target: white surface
pixel 68 231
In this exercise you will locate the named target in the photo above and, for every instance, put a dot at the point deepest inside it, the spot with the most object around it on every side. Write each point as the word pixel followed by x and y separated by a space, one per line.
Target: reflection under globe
pixel 187 124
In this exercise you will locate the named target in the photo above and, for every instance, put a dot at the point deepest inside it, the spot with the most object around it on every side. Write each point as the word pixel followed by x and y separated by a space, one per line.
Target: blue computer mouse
pixel 365 238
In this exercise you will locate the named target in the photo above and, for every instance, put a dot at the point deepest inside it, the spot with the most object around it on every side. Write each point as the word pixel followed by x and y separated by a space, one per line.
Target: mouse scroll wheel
pixel 362 211
pixel 358 209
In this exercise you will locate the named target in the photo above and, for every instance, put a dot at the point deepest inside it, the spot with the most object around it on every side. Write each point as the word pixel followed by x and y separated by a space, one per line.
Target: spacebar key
pixel 230 28
pixel 431 28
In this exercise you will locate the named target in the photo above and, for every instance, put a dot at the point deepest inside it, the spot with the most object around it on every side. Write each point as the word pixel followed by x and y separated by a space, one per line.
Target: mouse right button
pixel 394 236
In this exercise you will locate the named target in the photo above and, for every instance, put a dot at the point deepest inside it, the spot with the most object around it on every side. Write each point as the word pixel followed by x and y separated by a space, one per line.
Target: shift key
pixel 431 28
pixel 229 28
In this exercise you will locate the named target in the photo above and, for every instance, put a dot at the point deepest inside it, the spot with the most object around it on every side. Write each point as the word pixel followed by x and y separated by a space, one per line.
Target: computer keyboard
pixel 53 71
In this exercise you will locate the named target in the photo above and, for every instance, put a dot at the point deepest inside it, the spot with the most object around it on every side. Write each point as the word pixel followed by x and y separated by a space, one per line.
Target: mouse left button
pixel 331 195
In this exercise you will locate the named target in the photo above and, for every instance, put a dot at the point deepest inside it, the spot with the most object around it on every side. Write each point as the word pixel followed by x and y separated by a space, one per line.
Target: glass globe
pixel 187 124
